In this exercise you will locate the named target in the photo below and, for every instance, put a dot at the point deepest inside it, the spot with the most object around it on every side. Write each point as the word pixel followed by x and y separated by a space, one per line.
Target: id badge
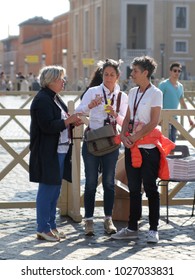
pixel 130 127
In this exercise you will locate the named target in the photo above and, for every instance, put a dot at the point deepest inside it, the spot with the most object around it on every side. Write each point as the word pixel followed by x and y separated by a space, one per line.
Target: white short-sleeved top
pixel 151 98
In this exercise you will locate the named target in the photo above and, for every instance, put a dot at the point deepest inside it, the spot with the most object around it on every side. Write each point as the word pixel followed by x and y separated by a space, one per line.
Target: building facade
pixel 94 30
pixel 127 28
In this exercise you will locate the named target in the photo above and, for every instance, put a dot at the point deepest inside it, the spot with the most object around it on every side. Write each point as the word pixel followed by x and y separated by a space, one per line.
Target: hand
pixel 79 122
pixel 109 109
pixel 127 141
pixel 95 102
pixel 74 119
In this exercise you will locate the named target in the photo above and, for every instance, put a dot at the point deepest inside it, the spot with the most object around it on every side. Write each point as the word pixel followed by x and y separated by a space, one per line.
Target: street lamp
pixel 118 46
pixel 162 54
pixel 11 71
pixel 43 58
pixel 25 66
pixel 64 58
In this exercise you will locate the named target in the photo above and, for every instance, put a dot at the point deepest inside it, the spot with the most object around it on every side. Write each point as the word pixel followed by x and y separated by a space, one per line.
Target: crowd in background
pixel 30 82
pixel 21 83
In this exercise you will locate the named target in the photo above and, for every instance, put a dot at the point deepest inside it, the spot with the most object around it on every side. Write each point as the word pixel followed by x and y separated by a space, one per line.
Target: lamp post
pixel 162 54
pixel 12 71
pixel 26 66
pixel 64 58
pixel 118 46
pixel 43 58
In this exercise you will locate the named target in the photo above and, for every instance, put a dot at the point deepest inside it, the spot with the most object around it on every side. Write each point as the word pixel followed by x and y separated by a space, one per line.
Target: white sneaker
pixel 153 236
pixel 125 233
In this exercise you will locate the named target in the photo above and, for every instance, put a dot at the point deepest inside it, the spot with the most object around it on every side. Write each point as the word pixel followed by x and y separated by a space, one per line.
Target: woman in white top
pixel 145 103
pixel 93 104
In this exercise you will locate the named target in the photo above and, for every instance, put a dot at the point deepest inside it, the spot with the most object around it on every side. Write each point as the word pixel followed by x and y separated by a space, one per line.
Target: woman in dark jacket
pixel 49 145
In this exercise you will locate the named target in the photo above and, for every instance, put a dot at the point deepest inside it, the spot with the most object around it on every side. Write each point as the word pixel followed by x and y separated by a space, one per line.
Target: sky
pixel 14 12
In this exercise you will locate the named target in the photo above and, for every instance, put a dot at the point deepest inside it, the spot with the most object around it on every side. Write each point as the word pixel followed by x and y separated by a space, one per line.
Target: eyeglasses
pixel 176 70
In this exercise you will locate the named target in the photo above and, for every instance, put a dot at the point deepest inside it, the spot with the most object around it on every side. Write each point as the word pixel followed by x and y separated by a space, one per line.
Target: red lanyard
pixel 135 105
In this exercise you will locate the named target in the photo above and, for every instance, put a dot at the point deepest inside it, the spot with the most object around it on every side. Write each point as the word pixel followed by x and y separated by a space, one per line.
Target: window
pixel 181 17
pixel 86 32
pixel 181 46
pixel 97 29
pixel 76 33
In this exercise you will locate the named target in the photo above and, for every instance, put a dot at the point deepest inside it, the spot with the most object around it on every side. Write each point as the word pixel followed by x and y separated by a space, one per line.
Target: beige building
pixel 124 29
pixel 97 29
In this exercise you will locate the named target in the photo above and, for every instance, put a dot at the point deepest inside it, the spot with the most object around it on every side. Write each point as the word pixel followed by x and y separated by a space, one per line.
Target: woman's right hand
pixel 95 102
pixel 126 141
pixel 74 119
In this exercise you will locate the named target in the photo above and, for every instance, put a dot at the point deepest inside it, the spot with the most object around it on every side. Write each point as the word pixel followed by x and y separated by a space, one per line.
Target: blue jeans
pixel 46 202
pixel 172 133
pixel 108 166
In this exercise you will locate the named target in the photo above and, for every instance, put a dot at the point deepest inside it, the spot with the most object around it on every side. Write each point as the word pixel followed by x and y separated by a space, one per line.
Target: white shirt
pixel 97 115
pixel 151 98
pixel 62 148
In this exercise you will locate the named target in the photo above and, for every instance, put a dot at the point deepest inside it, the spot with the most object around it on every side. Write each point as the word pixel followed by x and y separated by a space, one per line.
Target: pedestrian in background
pixel 173 95
pixel 93 104
pixel 24 84
pixel 50 132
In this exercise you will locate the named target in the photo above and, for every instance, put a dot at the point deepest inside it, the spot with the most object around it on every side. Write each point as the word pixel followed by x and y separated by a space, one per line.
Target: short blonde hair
pixel 51 73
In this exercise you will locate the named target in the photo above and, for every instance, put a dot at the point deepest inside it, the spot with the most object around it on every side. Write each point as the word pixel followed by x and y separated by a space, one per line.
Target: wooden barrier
pixel 71 199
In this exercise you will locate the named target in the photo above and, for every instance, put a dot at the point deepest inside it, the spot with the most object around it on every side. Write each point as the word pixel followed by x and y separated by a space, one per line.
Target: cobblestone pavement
pixel 18 240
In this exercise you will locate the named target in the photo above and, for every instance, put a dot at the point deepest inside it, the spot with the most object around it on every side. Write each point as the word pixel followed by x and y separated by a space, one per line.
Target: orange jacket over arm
pixel 162 143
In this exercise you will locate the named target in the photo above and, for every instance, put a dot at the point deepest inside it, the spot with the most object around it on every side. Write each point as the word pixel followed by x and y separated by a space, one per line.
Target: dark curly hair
pixel 145 63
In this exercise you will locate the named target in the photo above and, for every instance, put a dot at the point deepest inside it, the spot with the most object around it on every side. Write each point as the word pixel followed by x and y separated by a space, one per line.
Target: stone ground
pixel 18 240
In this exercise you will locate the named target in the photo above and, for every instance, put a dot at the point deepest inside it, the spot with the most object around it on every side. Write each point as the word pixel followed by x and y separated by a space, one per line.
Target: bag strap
pixel 118 102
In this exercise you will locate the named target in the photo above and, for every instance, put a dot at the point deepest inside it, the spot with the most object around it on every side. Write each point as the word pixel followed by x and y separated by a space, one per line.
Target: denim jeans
pixel 46 202
pixel 172 133
pixel 146 174
pixel 108 166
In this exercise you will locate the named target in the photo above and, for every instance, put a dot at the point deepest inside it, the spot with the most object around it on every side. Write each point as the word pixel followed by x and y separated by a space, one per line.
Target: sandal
pixel 59 234
pixel 48 236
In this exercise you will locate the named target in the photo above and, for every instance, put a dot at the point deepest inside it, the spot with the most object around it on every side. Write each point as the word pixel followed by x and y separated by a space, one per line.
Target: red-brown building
pixel 40 42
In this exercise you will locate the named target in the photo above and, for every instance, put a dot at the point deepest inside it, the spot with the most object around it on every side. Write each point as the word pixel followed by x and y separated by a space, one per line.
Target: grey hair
pixel 51 73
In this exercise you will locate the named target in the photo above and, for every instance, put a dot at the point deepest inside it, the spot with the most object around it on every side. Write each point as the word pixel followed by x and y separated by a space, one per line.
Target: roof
pixel 36 21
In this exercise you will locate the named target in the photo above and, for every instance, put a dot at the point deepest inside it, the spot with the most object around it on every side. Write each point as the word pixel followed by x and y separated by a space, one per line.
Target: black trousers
pixel 147 175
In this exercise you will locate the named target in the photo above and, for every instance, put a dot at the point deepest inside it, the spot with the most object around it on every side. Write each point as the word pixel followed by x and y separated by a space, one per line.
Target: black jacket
pixel 45 128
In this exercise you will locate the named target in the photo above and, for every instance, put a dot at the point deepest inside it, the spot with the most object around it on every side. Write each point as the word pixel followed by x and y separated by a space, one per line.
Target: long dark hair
pixel 96 80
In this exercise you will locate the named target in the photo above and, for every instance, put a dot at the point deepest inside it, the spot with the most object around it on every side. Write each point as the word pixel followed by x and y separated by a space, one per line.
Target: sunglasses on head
pixel 176 70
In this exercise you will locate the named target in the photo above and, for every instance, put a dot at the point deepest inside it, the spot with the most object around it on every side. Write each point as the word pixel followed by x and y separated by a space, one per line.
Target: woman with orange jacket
pixel 143 114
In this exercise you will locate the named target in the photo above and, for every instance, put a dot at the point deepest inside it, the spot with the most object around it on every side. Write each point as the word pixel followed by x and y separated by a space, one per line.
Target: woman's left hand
pixel 109 109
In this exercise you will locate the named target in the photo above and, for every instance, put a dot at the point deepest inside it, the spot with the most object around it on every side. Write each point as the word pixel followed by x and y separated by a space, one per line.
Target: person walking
pixel 173 95
pixel 142 117
pixel 93 104
pixel 50 130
